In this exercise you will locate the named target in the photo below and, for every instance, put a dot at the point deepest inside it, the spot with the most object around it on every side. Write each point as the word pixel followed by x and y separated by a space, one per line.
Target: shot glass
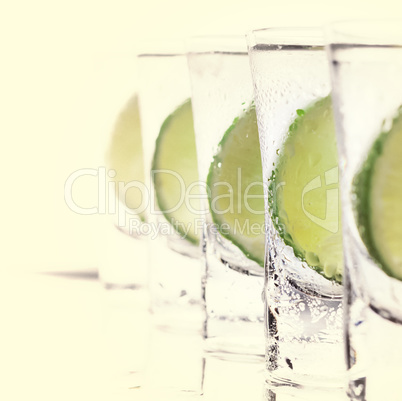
pixel 122 257
pixel 175 364
pixel 124 253
pixel 174 225
pixel 366 70
pixel 303 291
pixel 230 168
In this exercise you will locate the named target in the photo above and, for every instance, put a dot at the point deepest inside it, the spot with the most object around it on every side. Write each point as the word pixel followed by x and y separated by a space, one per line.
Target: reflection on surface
pixel 303 394
pixel 64 339
pixel 233 380
pixel 90 274
pixel 175 365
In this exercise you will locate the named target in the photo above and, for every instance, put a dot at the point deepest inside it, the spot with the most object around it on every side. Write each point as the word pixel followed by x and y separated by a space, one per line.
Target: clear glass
pixel 303 309
pixel 221 91
pixel 366 69
pixel 175 364
pixel 175 263
pixel 123 261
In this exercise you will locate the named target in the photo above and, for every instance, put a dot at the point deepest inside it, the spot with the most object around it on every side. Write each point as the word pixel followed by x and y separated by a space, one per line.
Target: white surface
pixel 69 339
pixel 64 337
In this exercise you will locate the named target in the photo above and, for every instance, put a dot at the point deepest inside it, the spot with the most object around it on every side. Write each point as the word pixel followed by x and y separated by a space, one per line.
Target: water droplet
pixel 312 259
pixel 330 270
pixel 324 309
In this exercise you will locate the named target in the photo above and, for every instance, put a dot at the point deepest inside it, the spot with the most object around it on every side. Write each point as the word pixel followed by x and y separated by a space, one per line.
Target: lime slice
pixel 378 192
pixel 125 155
pixel 175 173
pixel 303 192
pixel 236 198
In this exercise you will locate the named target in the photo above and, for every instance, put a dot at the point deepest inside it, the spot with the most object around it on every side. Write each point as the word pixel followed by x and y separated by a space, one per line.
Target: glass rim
pixel 365 32
pixel 287 35
pixel 216 43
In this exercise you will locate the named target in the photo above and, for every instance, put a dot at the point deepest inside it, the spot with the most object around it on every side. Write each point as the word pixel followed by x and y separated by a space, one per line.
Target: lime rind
pixel 364 189
pixel 362 202
pixel 244 127
pixel 183 111
pixel 277 221
pixel 328 262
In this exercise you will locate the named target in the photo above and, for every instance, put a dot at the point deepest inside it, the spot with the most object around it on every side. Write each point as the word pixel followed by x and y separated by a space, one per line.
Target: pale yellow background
pixel 65 69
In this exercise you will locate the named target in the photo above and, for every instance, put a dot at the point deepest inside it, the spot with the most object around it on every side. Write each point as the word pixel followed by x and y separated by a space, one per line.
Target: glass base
pixel 175 286
pixel 304 336
pixel 375 352
pixel 306 393
pixel 235 340
pixel 234 327
pixel 232 380
pixel 175 365
pixel 126 331
pixel 124 260
pixel 308 365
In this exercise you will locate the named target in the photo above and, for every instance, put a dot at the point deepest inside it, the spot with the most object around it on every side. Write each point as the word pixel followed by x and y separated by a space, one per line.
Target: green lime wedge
pixel 236 197
pixel 303 191
pixel 175 173
pixel 125 155
pixel 378 189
